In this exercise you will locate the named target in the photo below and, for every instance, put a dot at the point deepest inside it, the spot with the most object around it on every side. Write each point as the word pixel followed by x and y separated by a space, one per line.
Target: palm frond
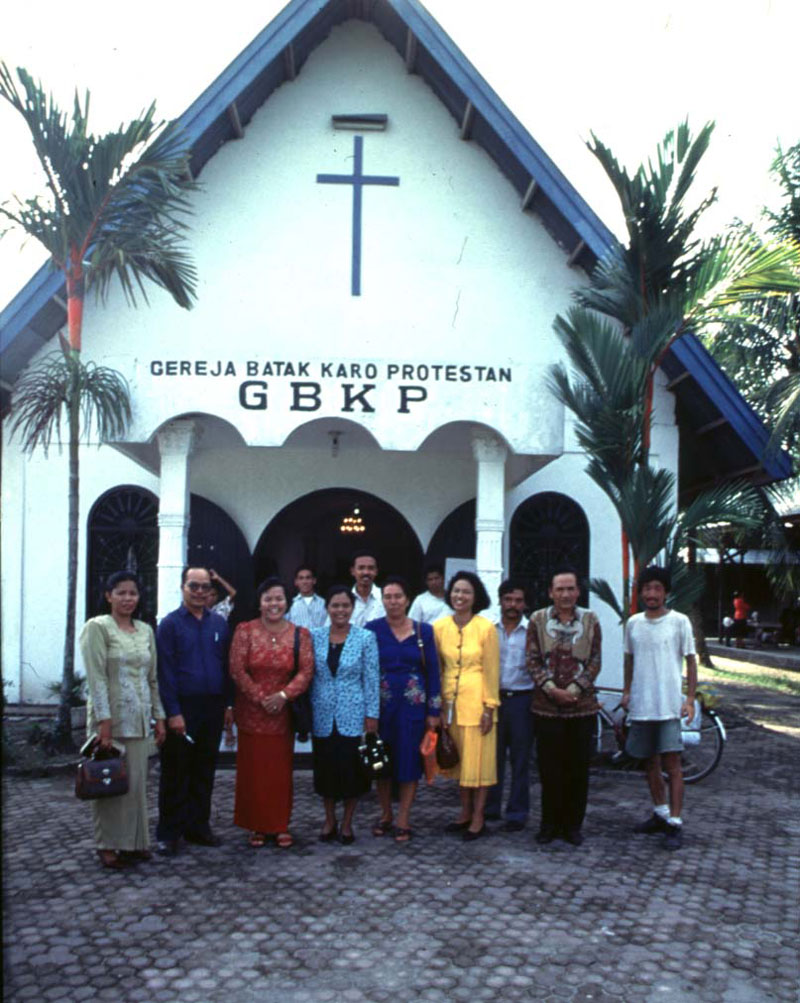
pixel 603 591
pixel 119 202
pixel 42 396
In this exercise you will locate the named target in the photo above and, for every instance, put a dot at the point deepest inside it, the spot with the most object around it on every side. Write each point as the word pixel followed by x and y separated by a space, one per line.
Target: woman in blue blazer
pixel 345 703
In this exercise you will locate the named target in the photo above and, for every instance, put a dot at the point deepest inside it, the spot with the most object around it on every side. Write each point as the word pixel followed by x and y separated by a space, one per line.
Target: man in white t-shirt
pixel 430 605
pixel 307 609
pixel 656 643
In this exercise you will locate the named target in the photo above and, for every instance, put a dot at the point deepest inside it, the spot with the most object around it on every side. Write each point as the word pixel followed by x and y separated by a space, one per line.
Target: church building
pixel 382 249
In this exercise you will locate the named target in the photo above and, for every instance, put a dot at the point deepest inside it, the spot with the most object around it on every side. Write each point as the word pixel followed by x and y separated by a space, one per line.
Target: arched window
pixel 123 536
pixel 547 531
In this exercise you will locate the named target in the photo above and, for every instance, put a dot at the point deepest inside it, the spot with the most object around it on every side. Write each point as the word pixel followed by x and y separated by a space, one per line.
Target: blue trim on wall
pixel 34 295
pixel 695 359
pixel 510 130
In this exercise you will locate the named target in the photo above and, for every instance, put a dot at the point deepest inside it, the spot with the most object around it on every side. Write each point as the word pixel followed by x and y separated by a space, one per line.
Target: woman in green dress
pixel 119 654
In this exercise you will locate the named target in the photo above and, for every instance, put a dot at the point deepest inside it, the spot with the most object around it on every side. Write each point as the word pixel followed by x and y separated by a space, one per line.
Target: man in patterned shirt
pixel 563 655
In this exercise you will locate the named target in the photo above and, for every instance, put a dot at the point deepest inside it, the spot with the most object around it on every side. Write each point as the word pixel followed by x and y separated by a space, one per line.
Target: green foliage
pixel 118 201
pixel 663 282
pixel 43 394
pixel 78 693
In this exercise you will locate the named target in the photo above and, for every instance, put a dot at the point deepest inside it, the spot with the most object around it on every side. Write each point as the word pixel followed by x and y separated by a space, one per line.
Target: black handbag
pixel 103 774
pixel 300 707
pixel 373 756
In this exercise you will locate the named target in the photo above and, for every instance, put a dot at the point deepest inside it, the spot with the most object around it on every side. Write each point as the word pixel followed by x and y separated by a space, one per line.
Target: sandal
pixel 382 827
pixel 257 840
pixel 111 860
pixel 402 835
pixel 284 840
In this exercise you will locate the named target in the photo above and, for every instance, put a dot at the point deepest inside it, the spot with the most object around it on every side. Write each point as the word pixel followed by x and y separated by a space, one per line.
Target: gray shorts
pixel 650 738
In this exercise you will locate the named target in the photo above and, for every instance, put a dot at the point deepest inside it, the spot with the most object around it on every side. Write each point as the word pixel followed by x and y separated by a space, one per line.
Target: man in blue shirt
pixel 197 694
pixel 514 722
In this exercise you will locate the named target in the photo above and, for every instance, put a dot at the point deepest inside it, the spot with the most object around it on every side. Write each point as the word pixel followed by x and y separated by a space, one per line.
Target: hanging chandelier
pixel 352 523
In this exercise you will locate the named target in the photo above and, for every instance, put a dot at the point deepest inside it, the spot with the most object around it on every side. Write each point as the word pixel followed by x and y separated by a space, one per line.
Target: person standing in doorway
pixel 514 719
pixel 563 656
pixel 214 601
pixel 368 604
pixel 197 695
pixel 430 605
pixel 656 643
pixel 307 609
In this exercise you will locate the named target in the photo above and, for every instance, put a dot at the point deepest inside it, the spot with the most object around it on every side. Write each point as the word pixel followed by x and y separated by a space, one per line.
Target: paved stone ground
pixel 498 919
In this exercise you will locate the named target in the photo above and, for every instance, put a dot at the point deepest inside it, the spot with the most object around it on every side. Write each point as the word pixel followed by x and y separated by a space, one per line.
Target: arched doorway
pixel 455 536
pixel 123 536
pixel 311 529
pixel 215 541
pixel 547 531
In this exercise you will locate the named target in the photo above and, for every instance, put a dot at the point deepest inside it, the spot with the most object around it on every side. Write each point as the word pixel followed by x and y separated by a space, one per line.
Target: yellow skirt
pixel 478 756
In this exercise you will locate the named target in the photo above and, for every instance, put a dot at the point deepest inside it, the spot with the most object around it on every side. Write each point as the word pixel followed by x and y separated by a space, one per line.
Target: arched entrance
pixel 123 536
pixel 548 530
pixel 215 541
pixel 455 536
pixel 311 529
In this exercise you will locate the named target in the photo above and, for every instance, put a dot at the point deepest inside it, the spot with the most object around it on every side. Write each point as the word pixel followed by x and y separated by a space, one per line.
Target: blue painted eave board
pixel 695 359
pixel 33 296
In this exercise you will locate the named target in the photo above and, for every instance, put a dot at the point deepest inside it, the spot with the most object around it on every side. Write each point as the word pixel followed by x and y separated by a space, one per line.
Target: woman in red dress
pixel 262 665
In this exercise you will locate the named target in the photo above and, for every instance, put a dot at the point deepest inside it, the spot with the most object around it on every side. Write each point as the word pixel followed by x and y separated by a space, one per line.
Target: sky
pixel 627 70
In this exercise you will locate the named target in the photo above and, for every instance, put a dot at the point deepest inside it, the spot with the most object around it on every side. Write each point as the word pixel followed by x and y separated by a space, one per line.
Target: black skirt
pixel 338 772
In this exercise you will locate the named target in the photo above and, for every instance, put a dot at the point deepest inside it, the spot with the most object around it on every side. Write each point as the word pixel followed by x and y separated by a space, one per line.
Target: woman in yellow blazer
pixel 119 654
pixel 469 657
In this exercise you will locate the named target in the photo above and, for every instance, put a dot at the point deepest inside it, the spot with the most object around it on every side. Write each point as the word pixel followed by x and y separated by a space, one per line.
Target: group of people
pixel 369 661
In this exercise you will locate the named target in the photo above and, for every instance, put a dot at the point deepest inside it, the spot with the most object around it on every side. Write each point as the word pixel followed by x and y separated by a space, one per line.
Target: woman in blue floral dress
pixel 410 701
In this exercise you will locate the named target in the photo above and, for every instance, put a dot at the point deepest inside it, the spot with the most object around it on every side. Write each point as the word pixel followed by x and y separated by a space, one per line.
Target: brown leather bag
pixel 446 750
pixel 101 775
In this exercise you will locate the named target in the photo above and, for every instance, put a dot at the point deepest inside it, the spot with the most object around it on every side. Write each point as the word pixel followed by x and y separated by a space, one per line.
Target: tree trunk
pixel 64 726
pixel 703 654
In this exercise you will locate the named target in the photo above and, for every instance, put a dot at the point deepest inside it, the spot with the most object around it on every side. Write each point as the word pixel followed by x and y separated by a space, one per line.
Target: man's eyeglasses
pixel 198 586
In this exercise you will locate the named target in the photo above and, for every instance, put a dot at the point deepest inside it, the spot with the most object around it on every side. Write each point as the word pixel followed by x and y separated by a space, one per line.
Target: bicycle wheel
pixel 701 756
pixel 607 743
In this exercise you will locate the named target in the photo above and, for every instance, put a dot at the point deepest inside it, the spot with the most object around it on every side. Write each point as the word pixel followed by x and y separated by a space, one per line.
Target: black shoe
pixel 329 837
pixel 655 823
pixel 457 826
pixel 673 838
pixel 347 838
pixel 573 835
pixel 167 847
pixel 203 838
pixel 513 825
pixel 546 834
pixel 469 835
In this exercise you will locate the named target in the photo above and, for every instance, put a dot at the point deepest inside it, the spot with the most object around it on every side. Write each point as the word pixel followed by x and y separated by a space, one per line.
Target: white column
pixel 175 442
pixel 490 457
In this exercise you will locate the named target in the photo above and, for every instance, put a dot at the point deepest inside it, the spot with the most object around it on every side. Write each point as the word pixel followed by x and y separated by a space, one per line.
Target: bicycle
pixel 703 740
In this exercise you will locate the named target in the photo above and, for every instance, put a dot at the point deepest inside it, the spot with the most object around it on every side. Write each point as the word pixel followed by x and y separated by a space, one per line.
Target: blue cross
pixel 357 179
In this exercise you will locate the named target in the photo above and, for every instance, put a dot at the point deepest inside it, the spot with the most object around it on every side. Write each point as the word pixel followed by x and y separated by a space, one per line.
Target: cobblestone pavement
pixel 438 919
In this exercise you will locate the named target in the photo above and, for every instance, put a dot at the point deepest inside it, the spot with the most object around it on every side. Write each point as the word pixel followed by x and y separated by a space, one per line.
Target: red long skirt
pixel 263 800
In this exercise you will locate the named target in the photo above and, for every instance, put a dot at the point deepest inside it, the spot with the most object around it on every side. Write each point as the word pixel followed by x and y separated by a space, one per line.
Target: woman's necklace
pixel 274 635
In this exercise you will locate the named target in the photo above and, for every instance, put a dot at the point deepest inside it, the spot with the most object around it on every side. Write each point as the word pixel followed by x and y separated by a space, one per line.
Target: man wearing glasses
pixel 198 696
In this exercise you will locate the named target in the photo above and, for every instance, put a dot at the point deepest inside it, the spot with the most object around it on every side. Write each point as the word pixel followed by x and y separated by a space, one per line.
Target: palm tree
pixel 643 296
pixel 114 208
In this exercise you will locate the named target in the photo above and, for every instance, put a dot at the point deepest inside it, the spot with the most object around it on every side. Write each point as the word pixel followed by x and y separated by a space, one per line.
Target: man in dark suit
pixel 197 694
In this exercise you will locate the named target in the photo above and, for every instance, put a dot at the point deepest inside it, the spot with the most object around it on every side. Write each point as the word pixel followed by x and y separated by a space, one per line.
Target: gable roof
pixel 276 55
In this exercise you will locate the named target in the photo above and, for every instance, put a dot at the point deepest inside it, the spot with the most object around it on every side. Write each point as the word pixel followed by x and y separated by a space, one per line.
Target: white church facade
pixel 381 251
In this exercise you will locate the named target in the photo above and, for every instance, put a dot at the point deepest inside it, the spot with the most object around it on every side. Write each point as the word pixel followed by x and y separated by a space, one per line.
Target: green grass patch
pixel 778 684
